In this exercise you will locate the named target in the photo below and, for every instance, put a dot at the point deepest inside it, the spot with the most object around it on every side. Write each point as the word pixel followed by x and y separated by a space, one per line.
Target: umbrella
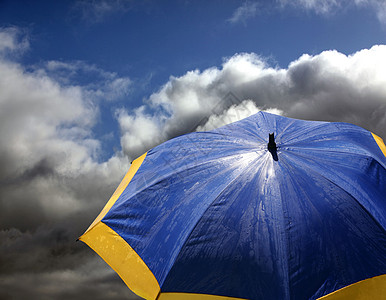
pixel 264 208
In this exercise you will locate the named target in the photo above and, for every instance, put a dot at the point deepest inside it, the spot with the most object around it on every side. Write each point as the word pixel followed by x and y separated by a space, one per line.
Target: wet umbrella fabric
pixel 232 213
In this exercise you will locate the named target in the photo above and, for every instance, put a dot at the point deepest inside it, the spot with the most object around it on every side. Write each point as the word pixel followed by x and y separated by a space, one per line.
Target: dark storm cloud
pixel 68 273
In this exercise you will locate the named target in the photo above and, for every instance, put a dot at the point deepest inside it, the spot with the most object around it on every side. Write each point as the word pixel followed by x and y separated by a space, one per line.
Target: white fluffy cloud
pixel 234 113
pixel 330 86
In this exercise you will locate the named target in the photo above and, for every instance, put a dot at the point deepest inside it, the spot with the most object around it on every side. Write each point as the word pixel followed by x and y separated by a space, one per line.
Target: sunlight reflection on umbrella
pixel 243 213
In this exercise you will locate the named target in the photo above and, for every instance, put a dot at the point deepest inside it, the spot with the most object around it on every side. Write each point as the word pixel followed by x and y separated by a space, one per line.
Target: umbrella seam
pixel 311 169
pixel 319 126
pixel 367 154
pixel 181 169
pixel 195 225
pixel 347 192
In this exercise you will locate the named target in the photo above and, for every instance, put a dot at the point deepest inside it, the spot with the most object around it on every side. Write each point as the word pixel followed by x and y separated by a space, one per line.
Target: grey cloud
pixel 329 86
pixel 87 277
pixel 52 184
pixel 104 85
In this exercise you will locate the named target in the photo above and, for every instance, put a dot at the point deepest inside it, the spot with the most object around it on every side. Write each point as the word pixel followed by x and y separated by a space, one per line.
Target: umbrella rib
pixel 294 137
pixel 285 210
pixel 279 134
pixel 367 154
pixel 319 149
pixel 347 192
pixel 209 205
pixel 249 136
pixel 184 168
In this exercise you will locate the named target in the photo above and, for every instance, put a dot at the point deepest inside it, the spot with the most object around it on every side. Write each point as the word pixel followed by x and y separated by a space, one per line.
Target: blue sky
pixel 149 41
pixel 87 86
pixel 149 38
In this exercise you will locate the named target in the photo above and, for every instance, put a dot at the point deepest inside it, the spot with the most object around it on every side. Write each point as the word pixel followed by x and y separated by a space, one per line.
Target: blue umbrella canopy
pixel 264 208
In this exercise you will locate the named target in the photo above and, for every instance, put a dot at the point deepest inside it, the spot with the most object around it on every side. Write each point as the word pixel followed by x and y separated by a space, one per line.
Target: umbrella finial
pixel 272 146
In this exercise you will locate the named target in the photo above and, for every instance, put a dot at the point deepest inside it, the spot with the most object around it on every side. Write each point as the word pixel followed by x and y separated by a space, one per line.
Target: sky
pixel 88 86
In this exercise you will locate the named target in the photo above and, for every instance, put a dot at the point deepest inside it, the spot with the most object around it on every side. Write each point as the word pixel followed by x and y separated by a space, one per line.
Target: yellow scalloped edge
pixel 125 181
pixel 369 289
pixel 380 143
pixel 119 255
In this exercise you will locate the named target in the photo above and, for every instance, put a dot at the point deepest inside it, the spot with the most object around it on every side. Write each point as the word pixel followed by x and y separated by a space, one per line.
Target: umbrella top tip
pixel 272 146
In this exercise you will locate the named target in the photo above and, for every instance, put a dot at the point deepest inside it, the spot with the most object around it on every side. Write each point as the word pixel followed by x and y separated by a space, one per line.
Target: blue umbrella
pixel 264 208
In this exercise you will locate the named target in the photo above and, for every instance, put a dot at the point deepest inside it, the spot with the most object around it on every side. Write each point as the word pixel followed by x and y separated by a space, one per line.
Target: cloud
pixel 379 6
pixel 234 113
pixel 250 9
pixel 327 7
pixel 330 86
pixel 318 6
pixel 52 182
pixel 47 146
pixel 101 84
pixel 140 131
pixel 96 11
pixel 244 12
pixel 69 274
pixel 13 40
